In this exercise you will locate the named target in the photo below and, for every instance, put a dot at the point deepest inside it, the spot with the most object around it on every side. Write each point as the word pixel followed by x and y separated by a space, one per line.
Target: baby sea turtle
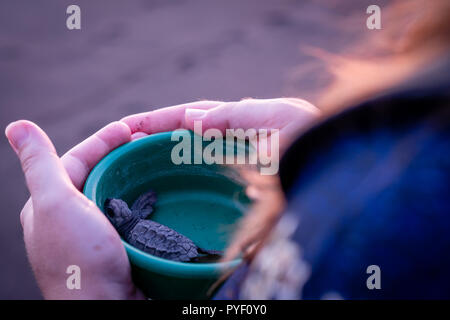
pixel 150 236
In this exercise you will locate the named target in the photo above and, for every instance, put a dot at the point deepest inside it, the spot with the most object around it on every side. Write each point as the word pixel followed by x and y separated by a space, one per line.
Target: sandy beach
pixel 135 56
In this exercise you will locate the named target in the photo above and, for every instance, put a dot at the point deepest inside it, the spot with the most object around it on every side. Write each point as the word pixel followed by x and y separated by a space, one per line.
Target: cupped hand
pixel 61 226
pixel 289 115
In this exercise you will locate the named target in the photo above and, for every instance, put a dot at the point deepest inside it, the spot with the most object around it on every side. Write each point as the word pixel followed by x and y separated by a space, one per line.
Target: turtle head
pixel 117 212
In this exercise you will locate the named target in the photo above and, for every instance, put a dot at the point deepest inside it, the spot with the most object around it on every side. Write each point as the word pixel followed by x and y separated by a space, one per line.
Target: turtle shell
pixel 161 241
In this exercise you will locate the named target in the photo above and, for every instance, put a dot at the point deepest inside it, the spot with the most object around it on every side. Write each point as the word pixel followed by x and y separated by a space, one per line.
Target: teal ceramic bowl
pixel 201 201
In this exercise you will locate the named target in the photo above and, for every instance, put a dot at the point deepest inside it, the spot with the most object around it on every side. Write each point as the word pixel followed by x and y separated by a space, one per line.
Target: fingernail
pixel 195 114
pixel 17 134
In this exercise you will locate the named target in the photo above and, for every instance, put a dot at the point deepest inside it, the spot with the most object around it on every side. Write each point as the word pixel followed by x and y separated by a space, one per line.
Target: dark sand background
pixel 133 56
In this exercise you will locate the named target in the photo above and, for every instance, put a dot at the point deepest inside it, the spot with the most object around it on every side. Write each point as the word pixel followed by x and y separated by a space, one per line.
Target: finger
pixel 253 114
pixel 245 114
pixel 44 172
pixel 138 135
pixel 252 119
pixel 165 119
pixel 220 117
pixel 80 160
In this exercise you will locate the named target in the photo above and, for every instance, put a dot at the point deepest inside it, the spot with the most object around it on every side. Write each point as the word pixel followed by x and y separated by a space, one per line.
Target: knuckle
pixel 26 211
pixel 22 217
pixel 27 160
pixel 49 205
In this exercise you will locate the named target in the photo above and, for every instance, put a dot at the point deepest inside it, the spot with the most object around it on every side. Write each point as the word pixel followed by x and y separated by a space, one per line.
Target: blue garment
pixel 369 186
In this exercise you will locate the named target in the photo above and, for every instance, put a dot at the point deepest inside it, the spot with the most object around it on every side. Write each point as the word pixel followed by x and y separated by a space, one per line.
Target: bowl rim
pixel 136 256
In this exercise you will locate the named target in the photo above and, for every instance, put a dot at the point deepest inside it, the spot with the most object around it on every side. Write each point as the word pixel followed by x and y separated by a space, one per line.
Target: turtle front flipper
pixel 144 204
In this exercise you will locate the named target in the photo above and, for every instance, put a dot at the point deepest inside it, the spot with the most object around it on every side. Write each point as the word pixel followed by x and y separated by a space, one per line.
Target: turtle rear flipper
pixel 210 252
pixel 207 256
pixel 144 204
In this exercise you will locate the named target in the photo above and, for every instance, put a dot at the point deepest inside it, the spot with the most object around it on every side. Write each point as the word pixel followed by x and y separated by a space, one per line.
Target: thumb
pixel 44 171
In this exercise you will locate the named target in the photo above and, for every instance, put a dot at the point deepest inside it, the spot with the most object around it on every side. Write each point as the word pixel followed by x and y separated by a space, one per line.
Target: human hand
pixel 289 115
pixel 61 226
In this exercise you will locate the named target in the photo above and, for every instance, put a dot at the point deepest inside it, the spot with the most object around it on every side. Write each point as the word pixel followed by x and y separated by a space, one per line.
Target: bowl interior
pixel 201 201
